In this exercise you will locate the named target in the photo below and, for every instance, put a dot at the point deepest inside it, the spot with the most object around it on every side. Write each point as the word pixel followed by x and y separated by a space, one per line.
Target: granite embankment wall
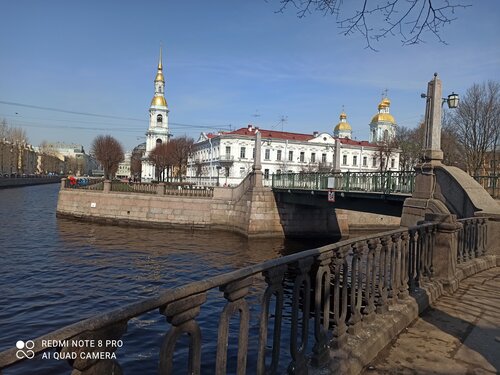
pixel 27 181
pixel 245 209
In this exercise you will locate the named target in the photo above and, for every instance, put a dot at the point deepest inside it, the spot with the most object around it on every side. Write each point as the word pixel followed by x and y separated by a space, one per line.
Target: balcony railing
pixel 289 312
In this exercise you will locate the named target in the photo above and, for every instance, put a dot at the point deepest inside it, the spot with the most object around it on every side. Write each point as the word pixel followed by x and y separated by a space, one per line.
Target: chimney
pixel 250 128
pixel 315 134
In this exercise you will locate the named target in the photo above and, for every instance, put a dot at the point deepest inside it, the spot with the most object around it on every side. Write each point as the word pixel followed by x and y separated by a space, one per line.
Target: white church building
pixel 229 156
pixel 158 123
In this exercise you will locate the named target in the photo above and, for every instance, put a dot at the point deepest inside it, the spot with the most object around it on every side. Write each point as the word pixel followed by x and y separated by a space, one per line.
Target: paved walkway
pixel 460 334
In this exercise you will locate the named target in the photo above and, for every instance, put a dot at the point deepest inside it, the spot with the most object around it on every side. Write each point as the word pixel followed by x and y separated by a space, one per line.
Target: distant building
pixel 158 123
pixel 124 167
pixel 230 155
pixel 76 161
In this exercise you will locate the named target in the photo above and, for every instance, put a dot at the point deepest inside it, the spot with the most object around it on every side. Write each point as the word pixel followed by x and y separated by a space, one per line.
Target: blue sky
pixel 224 62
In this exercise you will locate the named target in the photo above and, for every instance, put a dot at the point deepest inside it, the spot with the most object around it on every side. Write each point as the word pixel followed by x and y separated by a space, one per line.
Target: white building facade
pixel 228 156
pixel 158 123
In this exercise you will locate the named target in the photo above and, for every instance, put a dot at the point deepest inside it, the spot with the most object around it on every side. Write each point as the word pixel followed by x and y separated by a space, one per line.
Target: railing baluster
pixel 322 309
pixel 339 296
pixel 235 293
pixel 371 279
pixel 181 314
pixel 301 286
pixel 356 294
pixel 383 258
pixel 274 280
pixel 405 260
pixel 395 251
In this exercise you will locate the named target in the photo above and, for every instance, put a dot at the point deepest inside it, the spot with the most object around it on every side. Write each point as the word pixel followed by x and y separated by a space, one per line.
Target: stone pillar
pixel 160 189
pixel 336 167
pixel 107 186
pixel 63 183
pixel 444 254
pixel 257 166
pixel 432 141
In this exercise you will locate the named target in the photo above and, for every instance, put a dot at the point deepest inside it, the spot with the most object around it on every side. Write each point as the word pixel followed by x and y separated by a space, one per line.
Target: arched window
pixel 159 118
pixel 386 135
pixel 159 142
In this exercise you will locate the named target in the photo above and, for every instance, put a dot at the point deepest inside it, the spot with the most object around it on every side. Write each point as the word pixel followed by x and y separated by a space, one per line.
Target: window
pixel 228 152
pixel 302 156
pixel 290 155
pixel 383 162
pixel 159 142
pixel 323 158
pixel 374 162
pixel 393 163
pixel 278 155
pixel 344 159
pixel 242 171
pixel 355 160
pixel 267 154
pixel 159 118
pixel 253 153
pixel 242 152
pixel 266 174
pixel 313 157
pixel 365 161
pixel 278 171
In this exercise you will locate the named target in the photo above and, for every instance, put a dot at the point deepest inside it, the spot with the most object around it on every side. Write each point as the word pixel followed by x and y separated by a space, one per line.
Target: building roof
pixel 270 134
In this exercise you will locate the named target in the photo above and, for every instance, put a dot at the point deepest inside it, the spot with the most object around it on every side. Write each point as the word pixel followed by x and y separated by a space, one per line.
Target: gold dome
pixel 386 102
pixel 343 126
pixel 159 101
pixel 383 117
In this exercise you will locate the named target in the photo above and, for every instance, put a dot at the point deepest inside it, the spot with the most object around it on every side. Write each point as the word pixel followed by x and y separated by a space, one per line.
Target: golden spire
pixel 159 74
pixel 160 66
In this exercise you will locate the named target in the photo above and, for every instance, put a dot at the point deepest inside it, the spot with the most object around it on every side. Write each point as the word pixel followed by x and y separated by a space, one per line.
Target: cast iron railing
pixel 377 182
pixel 321 296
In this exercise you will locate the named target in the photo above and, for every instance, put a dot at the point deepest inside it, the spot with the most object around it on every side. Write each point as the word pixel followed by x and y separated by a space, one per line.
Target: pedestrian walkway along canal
pixel 460 334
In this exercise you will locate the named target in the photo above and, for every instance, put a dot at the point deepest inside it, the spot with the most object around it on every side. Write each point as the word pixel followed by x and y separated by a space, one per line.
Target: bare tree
pixel 109 153
pixel 12 134
pixel 180 149
pixel 407 19
pixel 161 159
pixel 410 142
pixel 476 123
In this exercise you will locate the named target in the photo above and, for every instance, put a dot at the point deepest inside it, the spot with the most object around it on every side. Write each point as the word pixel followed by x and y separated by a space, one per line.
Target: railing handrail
pixel 8 357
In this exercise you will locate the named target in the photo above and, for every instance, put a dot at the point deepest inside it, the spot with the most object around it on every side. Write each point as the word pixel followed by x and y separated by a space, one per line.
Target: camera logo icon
pixel 25 349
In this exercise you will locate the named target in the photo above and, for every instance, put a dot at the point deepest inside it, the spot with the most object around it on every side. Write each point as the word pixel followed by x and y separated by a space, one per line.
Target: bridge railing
pixel 380 182
pixel 472 239
pixel 312 301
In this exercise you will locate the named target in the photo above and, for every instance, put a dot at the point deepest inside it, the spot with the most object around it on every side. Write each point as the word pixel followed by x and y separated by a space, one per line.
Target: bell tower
pixel 158 122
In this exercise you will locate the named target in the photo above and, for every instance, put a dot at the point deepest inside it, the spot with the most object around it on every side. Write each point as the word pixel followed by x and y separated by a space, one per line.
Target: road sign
pixel 331 195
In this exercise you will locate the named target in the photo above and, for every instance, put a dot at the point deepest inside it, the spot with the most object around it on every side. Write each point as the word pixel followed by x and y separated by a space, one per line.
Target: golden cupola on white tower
pixel 343 129
pixel 158 122
pixel 383 126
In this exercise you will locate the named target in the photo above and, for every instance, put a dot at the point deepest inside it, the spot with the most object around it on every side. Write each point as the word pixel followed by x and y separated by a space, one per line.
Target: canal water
pixel 54 272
